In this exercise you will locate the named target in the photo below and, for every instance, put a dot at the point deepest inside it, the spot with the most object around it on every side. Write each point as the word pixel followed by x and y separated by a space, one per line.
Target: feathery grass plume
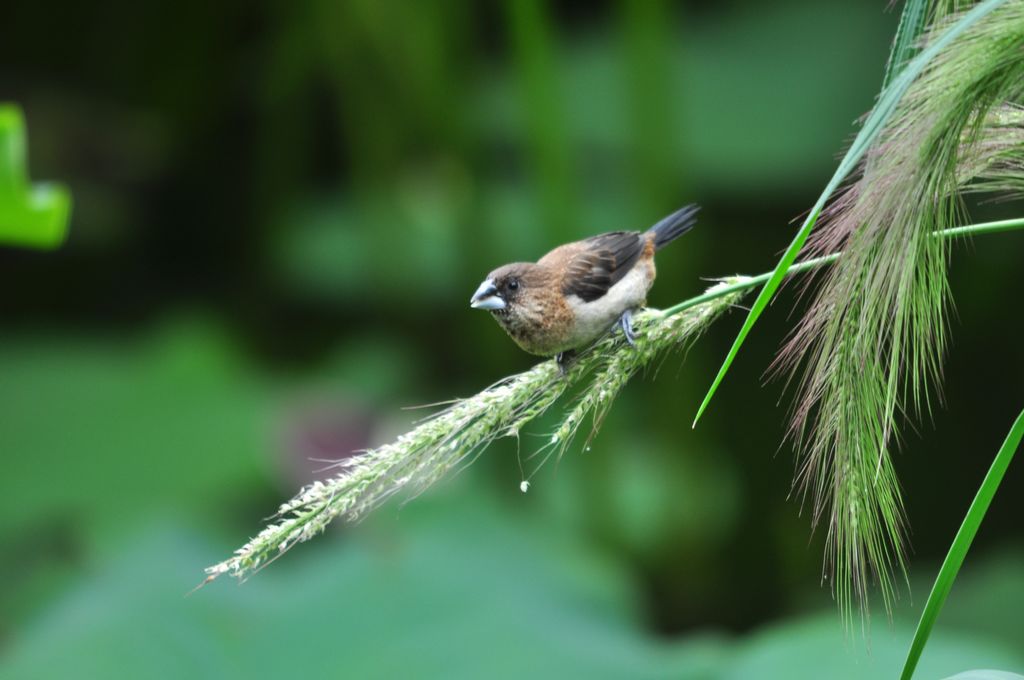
pixel 873 339
pixel 463 430
pixel 659 332
pixel 998 163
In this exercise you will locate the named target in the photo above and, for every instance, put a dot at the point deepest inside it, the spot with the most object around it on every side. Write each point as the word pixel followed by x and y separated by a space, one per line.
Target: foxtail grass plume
pixel 873 340
pixel 460 432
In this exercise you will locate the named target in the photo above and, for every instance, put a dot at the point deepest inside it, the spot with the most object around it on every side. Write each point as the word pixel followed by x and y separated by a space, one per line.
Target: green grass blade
pixel 907 33
pixel 874 123
pixel 961 544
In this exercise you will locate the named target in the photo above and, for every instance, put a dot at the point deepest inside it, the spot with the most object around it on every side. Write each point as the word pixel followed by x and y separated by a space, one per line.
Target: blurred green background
pixel 281 210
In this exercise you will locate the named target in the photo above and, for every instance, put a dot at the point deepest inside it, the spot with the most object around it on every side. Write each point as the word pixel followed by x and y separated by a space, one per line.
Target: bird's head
pixel 504 287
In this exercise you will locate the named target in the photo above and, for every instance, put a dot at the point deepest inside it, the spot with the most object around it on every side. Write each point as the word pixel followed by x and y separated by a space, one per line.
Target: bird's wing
pixel 599 262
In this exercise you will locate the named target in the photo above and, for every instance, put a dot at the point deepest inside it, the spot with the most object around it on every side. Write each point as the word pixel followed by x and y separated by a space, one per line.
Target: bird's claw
pixel 564 360
pixel 626 324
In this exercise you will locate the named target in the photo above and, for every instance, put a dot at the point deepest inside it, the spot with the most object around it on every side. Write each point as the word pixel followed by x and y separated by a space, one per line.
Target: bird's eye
pixel 513 284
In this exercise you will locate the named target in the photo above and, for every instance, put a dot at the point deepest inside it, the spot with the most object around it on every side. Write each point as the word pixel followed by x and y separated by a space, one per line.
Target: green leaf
pixel 30 215
pixel 874 123
pixel 961 544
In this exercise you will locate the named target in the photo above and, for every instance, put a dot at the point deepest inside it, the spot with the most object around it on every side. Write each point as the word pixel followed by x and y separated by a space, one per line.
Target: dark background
pixel 281 210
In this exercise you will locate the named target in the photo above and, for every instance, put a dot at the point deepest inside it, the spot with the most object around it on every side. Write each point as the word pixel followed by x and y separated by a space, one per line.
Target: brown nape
pixel 527 272
pixel 536 276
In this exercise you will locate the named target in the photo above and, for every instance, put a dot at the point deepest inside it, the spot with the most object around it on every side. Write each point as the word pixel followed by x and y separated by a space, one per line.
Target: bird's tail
pixel 674 226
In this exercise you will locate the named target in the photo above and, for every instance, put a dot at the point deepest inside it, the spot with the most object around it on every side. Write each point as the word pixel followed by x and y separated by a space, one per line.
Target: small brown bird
pixel 579 291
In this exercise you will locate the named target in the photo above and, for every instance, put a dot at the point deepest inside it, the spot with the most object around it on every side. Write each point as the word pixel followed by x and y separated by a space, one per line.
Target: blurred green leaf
pixel 454 590
pixel 990 597
pixel 330 249
pixel 532 34
pixel 30 215
pixel 458 588
pixel 811 648
pixel 101 432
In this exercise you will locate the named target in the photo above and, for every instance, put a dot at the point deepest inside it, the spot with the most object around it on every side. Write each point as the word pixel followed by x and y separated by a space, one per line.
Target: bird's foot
pixel 564 360
pixel 626 324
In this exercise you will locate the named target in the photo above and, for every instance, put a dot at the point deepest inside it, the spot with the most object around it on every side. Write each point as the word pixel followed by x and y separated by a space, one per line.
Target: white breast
pixel 595 318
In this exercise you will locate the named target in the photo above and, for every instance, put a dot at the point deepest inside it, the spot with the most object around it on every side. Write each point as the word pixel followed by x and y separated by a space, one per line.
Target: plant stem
pixel 982 228
pixel 740 283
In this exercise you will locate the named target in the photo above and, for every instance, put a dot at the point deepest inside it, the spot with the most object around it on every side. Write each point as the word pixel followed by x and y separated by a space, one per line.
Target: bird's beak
pixel 486 297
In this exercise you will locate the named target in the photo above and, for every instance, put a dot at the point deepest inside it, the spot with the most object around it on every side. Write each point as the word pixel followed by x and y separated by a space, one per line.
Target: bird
pixel 579 291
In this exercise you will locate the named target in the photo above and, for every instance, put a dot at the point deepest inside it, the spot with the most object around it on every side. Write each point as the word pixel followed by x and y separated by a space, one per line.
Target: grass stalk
pixel 747 282
pixel 449 439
